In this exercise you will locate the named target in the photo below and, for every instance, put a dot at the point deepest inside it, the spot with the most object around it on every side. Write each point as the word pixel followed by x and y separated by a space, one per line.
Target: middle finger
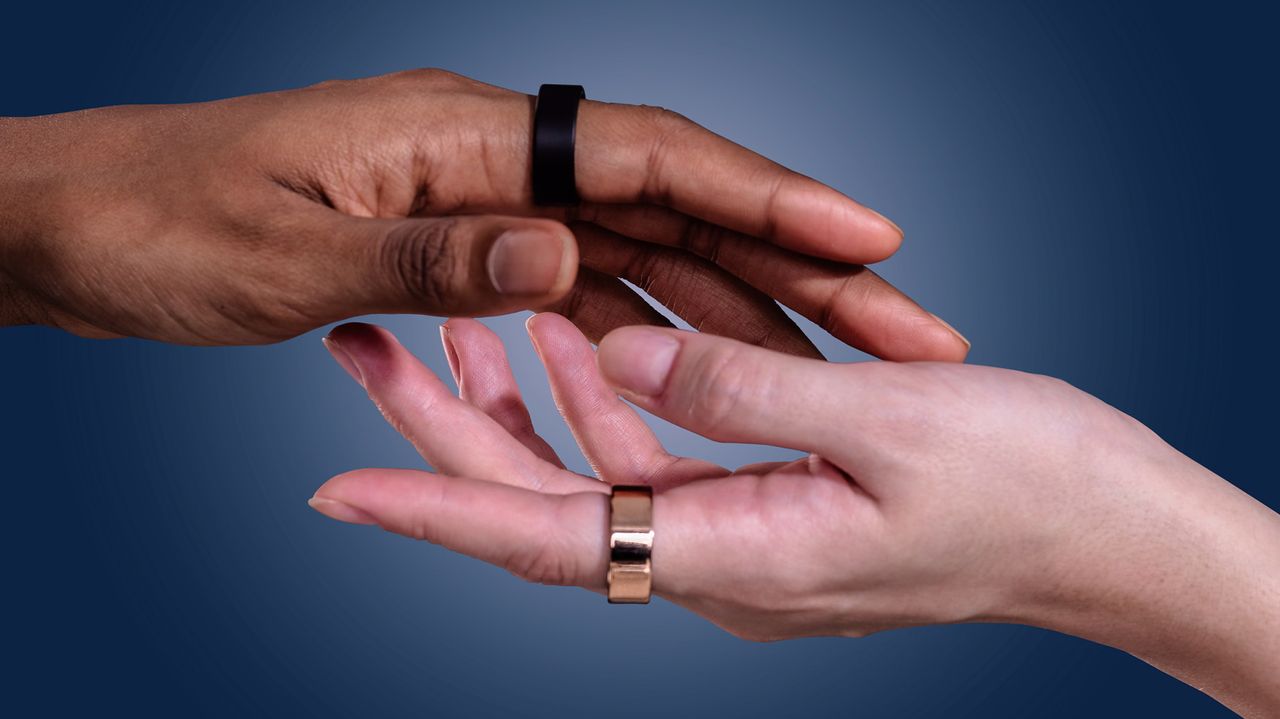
pixel 704 295
pixel 850 301
pixel 455 437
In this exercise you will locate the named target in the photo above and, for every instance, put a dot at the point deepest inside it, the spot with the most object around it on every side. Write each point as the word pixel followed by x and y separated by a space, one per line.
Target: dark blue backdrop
pixel 1087 191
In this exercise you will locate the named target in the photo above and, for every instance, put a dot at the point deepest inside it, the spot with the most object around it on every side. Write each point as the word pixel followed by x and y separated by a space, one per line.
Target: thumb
pixel 464 265
pixel 735 392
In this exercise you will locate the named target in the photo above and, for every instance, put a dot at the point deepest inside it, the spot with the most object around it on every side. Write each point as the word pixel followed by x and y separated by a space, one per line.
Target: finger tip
pixel 344 359
pixel 888 228
pixel 450 351
pixel 948 352
pixel 543 321
pixel 637 359
pixel 372 352
pixel 890 243
pixel 333 486
pixel 938 345
pixel 348 333
pixel 457 328
pixel 358 488
pixel 881 238
pixel 535 320
pixel 533 327
pixel 839 228
pixel 559 341
pixel 955 346
pixel 346 328
pixel 554 325
pixel 340 511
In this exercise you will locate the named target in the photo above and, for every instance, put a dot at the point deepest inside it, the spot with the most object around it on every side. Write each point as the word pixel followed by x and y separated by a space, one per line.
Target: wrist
pixel 30 189
pixel 1189 583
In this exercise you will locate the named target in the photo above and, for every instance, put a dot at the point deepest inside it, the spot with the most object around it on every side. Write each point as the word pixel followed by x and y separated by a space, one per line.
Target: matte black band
pixel 555 122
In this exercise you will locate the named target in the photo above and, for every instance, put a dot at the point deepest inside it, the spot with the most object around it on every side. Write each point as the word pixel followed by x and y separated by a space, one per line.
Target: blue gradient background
pixel 1088 191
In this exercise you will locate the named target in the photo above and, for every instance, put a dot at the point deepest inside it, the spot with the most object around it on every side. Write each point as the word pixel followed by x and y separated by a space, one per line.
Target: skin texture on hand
pixel 932 493
pixel 256 218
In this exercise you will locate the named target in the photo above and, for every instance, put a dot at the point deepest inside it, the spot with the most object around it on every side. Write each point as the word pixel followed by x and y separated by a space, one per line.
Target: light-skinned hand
pixel 932 493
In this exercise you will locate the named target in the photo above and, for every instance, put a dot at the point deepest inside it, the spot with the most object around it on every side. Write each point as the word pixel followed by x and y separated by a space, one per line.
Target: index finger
pixel 546 538
pixel 629 154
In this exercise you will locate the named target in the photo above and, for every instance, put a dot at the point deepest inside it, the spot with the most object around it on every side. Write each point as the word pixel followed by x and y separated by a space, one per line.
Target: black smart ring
pixel 555 122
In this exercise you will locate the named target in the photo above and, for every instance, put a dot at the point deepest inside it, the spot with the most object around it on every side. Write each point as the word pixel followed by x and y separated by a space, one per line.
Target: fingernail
pixel 638 360
pixel 526 262
pixel 954 331
pixel 334 509
pixel 533 339
pixel 344 359
pixel 888 221
pixel 450 353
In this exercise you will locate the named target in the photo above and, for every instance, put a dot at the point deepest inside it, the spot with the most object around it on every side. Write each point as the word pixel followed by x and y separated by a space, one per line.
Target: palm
pixel 713 535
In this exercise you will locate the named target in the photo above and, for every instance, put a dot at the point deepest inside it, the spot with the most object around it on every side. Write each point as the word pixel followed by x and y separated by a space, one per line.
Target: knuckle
pixel 423 260
pixel 547 561
pixel 851 298
pixel 914 409
pixel 509 411
pixel 647 268
pixel 542 565
pixel 663 119
pixel 702 239
pixel 551 558
pixel 1055 385
pixel 329 84
pixel 776 185
pixel 435 497
pixel 721 381
pixel 662 127
pixel 431 76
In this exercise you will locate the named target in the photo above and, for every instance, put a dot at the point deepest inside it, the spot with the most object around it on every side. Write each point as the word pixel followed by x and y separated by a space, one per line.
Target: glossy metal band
pixel 555 126
pixel 630 545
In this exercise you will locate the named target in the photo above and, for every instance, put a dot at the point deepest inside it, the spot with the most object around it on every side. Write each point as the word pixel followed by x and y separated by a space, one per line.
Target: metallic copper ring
pixel 630 545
